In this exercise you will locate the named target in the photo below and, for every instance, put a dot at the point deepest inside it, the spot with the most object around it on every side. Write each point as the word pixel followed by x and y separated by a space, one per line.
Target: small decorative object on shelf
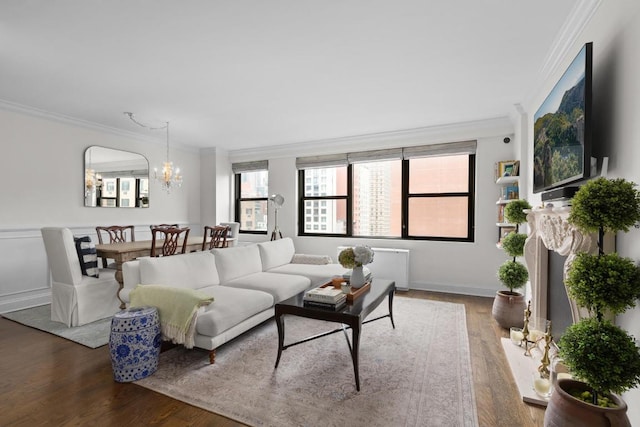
pixel 355 258
pixel 507 177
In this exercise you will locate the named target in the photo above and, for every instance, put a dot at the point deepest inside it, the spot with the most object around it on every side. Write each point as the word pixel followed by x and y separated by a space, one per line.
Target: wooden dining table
pixel 127 251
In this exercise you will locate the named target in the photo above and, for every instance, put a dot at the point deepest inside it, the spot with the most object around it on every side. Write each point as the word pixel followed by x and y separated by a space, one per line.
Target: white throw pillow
pixel 193 270
pixel 237 261
pixel 276 253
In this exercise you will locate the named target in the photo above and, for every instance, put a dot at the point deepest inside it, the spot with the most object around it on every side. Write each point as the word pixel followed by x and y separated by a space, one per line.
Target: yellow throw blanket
pixel 177 308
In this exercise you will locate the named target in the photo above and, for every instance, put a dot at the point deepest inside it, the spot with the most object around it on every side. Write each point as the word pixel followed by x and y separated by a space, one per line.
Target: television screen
pixel 562 128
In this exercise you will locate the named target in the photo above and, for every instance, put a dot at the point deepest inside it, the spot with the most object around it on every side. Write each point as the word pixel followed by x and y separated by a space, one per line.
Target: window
pixel 424 192
pixel 439 199
pixel 333 200
pixel 252 195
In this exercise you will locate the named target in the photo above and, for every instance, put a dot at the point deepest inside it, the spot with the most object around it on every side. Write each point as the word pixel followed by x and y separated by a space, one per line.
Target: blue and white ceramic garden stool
pixel 135 343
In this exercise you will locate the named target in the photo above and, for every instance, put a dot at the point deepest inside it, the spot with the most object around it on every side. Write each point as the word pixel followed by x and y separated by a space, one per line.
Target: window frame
pixel 470 194
pixel 303 199
pixel 239 200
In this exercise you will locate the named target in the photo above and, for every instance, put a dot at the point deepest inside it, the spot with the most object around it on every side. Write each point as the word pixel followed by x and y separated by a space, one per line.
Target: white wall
pixel 454 267
pixel 615 31
pixel 43 180
pixel 47 164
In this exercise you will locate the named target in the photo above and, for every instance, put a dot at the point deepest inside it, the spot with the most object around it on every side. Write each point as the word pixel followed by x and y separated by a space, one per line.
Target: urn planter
pixel 565 410
pixel 508 309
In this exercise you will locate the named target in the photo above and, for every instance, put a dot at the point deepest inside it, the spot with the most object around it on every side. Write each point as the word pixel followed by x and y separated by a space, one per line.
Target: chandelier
pixel 168 178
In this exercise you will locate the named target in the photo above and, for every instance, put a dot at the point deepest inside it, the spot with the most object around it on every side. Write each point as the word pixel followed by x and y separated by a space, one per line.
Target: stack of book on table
pixel 325 297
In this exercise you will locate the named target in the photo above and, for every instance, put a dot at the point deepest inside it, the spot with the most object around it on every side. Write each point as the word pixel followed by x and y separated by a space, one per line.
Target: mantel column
pixel 550 230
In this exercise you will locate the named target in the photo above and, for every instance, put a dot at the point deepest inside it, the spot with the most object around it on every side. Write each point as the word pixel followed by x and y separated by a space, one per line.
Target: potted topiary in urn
pixel 600 354
pixel 508 306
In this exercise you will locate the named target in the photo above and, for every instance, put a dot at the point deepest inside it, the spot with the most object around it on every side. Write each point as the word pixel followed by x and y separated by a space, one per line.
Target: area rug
pixel 93 335
pixel 418 374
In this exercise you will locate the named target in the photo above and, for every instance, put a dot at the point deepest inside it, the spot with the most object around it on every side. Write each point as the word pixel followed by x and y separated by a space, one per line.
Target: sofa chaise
pixel 245 282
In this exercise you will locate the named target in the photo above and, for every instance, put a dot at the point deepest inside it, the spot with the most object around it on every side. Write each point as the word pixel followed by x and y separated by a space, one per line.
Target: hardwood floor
pixel 46 380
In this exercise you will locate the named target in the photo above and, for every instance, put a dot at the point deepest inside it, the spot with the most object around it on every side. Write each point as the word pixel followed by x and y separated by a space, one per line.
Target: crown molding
pixel 575 24
pixel 85 124
pixel 392 139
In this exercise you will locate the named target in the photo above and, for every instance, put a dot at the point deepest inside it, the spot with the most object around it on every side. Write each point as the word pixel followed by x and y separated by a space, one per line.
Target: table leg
pixel 120 281
pixel 391 293
pixel 355 348
pixel 280 324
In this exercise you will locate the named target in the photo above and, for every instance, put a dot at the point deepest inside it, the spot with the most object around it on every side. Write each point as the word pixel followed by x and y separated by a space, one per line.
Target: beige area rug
pixel 418 374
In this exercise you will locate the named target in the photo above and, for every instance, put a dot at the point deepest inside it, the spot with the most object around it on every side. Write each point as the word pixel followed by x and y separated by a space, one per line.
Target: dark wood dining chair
pixel 117 234
pixel 168 240
pixel 215 237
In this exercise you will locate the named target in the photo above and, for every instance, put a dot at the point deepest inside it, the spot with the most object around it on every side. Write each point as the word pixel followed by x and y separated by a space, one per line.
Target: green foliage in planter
pixel 594 349
pixel 513 211
pixel 587 396
pixel 513 274
pixel 513 244
pixel 613 204
pixel 603 282
pixel 601 354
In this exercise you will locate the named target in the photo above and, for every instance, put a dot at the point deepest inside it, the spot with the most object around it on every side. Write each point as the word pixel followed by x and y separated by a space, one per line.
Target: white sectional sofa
pixel 245 281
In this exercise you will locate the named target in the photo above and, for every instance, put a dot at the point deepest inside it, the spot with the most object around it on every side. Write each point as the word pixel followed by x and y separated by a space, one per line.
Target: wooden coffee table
pixel 351 317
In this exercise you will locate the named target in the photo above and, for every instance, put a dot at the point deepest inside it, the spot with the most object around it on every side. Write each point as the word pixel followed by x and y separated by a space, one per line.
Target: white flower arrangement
pixel 355 257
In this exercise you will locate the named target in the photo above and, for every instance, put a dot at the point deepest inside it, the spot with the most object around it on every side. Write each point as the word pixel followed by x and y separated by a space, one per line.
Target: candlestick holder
pixel 526 342
pixel 543 369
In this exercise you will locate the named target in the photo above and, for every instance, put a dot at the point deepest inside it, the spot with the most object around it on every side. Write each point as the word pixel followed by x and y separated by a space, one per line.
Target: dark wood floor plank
pixel 47 380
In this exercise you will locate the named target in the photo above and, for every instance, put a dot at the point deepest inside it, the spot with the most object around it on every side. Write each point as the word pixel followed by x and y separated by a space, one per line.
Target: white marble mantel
pixel 550 230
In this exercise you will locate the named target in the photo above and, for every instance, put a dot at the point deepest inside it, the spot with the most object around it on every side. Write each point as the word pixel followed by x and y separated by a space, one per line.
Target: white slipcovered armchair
pixel 76 299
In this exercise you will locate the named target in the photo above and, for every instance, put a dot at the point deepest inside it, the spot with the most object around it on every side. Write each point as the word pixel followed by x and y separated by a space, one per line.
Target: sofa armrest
pixel 131 278
pixel 311 259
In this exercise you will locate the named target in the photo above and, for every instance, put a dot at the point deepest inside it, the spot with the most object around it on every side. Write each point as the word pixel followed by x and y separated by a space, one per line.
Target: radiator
pixel 388 263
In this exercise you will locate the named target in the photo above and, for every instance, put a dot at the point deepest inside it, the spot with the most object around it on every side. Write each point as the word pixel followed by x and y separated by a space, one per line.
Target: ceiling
pixel 241 74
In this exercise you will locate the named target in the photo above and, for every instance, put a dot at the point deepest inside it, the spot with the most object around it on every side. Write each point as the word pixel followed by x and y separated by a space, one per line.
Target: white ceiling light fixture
pixel 168 178
pixel 278 201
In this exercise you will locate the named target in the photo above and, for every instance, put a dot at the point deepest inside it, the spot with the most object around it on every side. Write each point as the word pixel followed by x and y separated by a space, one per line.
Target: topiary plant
pixel 513 244
pixel 608 204
pixel 513 274
pixel 508 307
pixel 603 282
pixel 598 352
pixel 601 354
pixel 514 211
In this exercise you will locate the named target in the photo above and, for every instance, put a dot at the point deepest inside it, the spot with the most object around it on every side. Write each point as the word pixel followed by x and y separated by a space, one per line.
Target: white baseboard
pixel 22 301
pixel 454 289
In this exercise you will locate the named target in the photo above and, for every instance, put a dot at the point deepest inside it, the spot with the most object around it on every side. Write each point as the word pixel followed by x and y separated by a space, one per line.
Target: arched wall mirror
pixel 115 178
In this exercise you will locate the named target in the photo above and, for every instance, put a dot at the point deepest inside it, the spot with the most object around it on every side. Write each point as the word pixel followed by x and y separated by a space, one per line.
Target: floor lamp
pixel 277 201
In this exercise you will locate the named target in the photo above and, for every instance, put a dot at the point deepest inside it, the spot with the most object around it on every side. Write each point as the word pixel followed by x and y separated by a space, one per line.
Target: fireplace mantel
pixel 550 230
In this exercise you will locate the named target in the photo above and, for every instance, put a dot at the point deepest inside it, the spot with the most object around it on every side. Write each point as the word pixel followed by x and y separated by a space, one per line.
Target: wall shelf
pixel 509 191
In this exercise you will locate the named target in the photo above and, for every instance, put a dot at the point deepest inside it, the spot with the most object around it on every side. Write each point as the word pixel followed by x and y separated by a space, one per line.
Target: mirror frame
pixel 115 178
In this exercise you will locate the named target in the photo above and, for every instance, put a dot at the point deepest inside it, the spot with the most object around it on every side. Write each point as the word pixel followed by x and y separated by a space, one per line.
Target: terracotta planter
pixel 565 410
pixel 508 309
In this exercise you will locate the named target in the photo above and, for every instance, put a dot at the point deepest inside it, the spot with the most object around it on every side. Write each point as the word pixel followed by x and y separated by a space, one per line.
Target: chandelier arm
pixel 167 126
pixel 169 178
pixel 133 119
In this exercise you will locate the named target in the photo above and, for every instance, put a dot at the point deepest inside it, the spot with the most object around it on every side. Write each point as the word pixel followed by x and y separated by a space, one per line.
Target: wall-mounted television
pixel 562 128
